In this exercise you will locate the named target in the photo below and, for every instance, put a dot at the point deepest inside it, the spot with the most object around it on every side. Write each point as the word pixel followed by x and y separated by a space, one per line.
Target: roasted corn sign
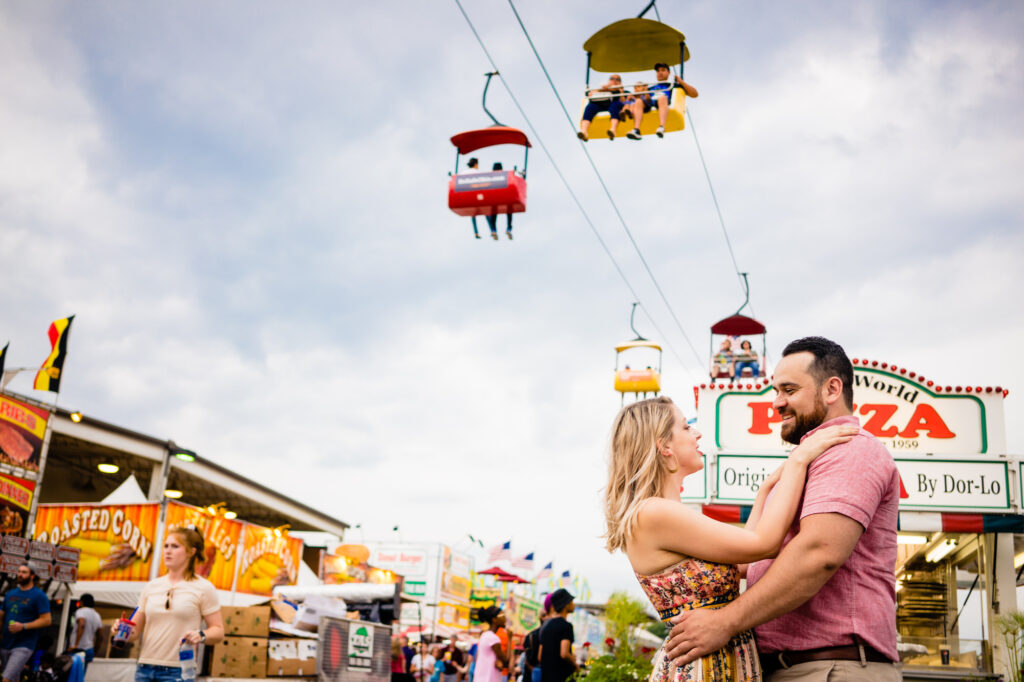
pixel 267 560
pixel 220 539
pixel 116 540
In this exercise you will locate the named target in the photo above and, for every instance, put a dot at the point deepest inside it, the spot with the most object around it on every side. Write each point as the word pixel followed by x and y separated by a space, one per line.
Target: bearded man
pixel 825 607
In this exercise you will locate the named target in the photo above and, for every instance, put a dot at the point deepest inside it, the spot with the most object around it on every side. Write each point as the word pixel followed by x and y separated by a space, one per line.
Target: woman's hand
pixel 820 441
pixel 193 637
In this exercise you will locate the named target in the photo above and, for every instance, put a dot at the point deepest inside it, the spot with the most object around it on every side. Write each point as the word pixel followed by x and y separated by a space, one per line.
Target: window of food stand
pixel 942 588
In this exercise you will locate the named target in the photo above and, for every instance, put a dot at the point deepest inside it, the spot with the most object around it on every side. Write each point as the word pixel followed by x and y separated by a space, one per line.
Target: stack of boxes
pixel 243 653
pixel 247 651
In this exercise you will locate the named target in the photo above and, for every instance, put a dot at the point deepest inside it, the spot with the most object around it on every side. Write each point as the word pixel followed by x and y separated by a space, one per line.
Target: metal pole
pixel 44 451
pixel 682 57
pixel 588 71
pixel 65 611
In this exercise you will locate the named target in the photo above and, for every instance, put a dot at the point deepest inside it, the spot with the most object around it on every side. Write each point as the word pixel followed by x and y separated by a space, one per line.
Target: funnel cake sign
pixel 910 415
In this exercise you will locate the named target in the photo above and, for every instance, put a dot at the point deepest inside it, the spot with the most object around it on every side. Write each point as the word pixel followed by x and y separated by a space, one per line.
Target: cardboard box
pixel 244 657
pixel 246 621
pixel 291 657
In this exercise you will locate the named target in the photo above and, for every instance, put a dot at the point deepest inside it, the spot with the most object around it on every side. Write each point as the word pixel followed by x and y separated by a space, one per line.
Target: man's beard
pixel 802 424
pixel 24 582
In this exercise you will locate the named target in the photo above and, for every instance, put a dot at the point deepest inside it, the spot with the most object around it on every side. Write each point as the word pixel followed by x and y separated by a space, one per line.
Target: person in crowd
pixel 722 362
pixel 747 357
pixel 601 100
pixel 827 602
pixel 26 611
pixel 435 653
pixel 557 662
pixel 492 219
pixel 660 97
pixel 408 652
pixel 173 607
pixel 422 665
pixel 531 644
pixel 681 558
pixel 87 623
pixel 399 666
pixel 454 662
pixel 491 656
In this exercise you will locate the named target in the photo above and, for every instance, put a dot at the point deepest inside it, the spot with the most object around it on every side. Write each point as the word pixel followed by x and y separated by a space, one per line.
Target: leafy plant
pixel 1011 627
pixel 617 668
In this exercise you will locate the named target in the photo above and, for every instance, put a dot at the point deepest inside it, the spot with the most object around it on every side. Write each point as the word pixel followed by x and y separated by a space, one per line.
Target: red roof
pixel 737 325
pixel 471 140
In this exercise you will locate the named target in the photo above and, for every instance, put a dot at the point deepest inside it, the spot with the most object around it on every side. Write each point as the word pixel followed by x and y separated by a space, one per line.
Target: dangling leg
pixel 492 221
pixel 476 232
pixel 509 230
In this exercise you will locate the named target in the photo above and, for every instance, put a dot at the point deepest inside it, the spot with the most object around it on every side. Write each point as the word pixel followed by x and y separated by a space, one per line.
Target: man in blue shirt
pixel 658 95
pixel 26 611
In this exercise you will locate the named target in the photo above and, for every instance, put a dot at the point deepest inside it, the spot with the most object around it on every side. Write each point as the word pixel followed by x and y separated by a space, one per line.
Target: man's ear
pixel 832 391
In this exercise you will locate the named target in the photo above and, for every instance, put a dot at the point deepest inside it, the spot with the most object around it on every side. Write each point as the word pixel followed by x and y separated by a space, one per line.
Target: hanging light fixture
pixel 108 468
pixel 173 494
pixel 939 551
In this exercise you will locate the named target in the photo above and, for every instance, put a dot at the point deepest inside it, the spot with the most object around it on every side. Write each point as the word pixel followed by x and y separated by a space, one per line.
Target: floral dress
pixel 697 584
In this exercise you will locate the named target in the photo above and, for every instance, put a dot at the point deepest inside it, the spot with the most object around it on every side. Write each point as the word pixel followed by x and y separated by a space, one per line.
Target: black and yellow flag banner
pixel 48 376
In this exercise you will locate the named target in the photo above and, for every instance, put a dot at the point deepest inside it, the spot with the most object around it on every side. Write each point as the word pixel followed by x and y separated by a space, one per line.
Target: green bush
pixel 618 668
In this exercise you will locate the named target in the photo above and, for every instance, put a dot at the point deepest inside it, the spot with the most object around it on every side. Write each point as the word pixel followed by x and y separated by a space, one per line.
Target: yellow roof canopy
pixel 634 45
pixel 637 344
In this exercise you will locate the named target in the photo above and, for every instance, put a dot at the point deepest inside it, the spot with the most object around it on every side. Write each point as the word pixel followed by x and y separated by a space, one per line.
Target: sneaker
pixel 509 233
pixel 477 236
pixel 660 132
pixel 494 236
pixel 582 135
pixel 611 135
pixel 634 134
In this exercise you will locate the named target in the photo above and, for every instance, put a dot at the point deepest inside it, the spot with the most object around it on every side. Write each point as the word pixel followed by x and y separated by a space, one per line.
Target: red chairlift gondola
pixel 488 193
pixel 733 327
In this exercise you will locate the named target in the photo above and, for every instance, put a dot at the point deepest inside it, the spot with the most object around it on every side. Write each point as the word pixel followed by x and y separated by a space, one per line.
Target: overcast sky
pixel 244 205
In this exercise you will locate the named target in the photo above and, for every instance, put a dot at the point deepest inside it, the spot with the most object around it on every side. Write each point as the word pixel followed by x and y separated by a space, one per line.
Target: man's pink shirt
pixel 857 479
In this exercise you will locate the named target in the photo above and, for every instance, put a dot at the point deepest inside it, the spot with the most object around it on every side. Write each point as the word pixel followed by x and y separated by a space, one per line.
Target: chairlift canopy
pixel 738 325
pixel 634 45
pixel 637 344
pixel 471 140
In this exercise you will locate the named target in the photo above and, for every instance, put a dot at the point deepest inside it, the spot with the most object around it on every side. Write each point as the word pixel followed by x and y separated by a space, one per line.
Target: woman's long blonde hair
pixel 635 470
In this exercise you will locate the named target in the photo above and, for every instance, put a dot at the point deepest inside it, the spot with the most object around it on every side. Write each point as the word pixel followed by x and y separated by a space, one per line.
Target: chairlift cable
pixel 568 188
pixel 604 186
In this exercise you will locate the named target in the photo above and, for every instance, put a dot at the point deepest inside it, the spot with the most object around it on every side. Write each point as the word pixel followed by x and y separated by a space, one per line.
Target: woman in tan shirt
pixel 172 609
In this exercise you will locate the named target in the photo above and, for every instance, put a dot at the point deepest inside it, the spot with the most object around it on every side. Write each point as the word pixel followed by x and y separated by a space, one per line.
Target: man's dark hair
pixel 660 65
pixel 87 600
pixel 829 361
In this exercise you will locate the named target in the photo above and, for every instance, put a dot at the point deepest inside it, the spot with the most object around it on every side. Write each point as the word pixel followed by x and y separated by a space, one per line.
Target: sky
pixel 244 205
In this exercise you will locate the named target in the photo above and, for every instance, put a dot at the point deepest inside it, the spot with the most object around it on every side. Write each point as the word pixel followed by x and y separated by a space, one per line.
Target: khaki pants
pixel 838 671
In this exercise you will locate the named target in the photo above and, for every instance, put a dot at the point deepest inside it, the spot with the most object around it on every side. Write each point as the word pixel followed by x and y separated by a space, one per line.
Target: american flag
pixel 525 561
pixel 544 572
pixel 564 579
pixel 499 552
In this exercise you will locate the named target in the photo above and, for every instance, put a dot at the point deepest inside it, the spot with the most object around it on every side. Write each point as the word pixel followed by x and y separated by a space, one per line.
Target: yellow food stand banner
pixel 220 537
pixel 453 615
pixel 22 427
pixel 116 540
pixel 267 560
pixel 15 502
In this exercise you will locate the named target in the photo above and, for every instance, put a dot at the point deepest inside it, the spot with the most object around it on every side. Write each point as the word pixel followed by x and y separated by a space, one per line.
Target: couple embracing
pixel 818 550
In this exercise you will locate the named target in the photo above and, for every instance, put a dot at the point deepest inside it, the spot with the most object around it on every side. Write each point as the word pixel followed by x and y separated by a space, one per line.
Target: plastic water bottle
pixel 187 658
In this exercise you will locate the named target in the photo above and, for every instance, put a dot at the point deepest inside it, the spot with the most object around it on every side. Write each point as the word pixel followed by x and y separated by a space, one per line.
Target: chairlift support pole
pixel 483 102
pixel 746 289
pixel 589 54
pixel 646 9
pixel 631 314
pixel 682 58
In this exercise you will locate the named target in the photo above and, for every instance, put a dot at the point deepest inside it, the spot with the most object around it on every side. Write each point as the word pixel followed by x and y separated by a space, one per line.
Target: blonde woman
pixel 683 559
pixel 172 609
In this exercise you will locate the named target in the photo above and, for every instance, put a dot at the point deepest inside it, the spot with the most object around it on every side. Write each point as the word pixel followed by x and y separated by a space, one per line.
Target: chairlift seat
pixel 675 121
pixel 487 193
pixel 637 381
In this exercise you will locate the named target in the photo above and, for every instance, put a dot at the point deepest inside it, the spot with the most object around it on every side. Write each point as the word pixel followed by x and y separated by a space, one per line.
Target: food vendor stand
pixel 961 531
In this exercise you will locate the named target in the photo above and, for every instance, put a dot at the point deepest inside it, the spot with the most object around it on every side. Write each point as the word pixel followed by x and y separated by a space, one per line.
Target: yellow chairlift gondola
pixel 634 45
pixel 637 381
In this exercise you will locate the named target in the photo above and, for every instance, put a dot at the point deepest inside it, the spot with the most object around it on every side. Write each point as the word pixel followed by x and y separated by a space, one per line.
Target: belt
pixel 787 659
